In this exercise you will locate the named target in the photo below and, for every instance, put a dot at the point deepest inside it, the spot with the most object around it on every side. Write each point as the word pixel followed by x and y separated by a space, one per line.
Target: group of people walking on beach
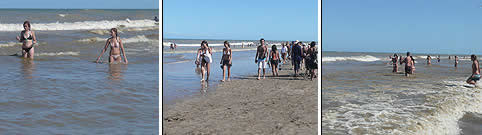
pixel 29 39
pixel 409 62
pixel 262 58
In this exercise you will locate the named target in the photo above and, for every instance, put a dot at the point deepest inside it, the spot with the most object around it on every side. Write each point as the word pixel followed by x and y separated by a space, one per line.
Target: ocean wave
pixel 135 39
pixel 366 58
pixel 10 44
pixel 401 113
pixel 57 54
pixel 61 15
pixel 121 30
pixel 84 25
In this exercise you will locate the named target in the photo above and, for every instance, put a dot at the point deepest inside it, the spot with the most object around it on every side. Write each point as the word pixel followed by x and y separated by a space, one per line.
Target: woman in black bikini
pixel 116 47
pixel 274 60
pixel 27 36
pixel 226 60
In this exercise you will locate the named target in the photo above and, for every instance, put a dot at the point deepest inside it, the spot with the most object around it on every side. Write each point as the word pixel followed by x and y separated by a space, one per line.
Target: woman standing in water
pixel 27 36
pixel 204 55
pixel 226 60
pixel 116 47
pixel 456 60
pixel 395 63
pixel 274 60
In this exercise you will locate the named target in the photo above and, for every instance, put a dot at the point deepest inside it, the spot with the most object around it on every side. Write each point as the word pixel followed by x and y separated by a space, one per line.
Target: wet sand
pixel 275 105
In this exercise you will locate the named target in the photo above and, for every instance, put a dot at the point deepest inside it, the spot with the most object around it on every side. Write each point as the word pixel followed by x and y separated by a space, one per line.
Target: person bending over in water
pixel 395 63
pixel 204 56
pixel 260 58
pixel 274 60
pixel 409 64
pixel 475 71
pixel 226 60
pixel 27 36
pixel 429 60
pixel 456 60
pixel 116 48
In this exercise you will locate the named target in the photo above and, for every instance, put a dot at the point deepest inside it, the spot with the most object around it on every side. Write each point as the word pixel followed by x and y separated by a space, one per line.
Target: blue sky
pixel 432 26
pixel 81 4
pixel 241 19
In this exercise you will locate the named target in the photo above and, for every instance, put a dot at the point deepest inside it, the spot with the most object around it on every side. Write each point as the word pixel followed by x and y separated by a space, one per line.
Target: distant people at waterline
pixel 116 48
pixel 204 56
pixel 409 64
pixel 226 60
pixel 28 38
pixel 475 71
pixel 261 57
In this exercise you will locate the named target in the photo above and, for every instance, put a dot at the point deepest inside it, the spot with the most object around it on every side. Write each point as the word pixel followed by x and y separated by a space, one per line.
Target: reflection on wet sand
pixel 204 87
pixel 116 70
pixel 28 67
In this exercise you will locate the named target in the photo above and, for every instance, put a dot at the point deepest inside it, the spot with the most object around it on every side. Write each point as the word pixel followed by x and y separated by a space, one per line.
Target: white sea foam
pixel 366 58
pixel 62 15
pixel 57 54
pixel 10 44
pixel 84 25
pixel 136 39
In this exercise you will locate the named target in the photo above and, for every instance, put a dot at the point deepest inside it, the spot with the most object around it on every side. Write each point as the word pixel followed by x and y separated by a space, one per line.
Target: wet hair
pixel 115 30
pixel 274 48
pixel 473 56
pixel 408 53
pixel 28 24
pixel 204 41
pixel 226 42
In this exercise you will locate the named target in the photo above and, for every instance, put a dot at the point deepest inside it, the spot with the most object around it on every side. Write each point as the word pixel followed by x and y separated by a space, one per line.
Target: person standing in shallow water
pixel 438 58
pixel 28 38
pixel 456 60
pixel 261 58
pixel 395 63
pixel 226 60
pixel 204 56
pixel 409 64
pixel 116 48
pixel 475 71
pixel 429 60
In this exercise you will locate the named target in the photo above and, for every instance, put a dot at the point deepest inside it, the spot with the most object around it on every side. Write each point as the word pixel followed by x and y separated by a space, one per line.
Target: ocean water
pixel 361 95
pixel 63 91
pixel 181 77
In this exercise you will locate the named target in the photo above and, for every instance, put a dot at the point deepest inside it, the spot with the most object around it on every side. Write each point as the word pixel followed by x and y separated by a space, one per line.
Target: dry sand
pixel 275 105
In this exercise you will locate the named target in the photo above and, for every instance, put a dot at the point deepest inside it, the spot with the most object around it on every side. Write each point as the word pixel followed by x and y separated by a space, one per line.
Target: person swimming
pixel 116 48
pixel 27 36
pixel 475 71
pixel 204 56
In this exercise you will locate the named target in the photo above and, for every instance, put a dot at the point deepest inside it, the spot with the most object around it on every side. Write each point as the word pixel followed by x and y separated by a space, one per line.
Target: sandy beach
pixel 275 105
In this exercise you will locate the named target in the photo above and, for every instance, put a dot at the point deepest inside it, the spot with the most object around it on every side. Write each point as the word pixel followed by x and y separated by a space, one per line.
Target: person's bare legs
pixel 259 70
pixel 24 54
pixel 202 71
pixel 264 76
pixel 276 68
pixel 31 53
pixel 470 81
pixel 111 59
pixel 229 73
pixel 224 72
pixel 207 72
pixel 273 70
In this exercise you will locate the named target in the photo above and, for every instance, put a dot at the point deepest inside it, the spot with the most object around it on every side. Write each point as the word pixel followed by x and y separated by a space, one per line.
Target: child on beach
pixel 260 58
pixel 226 60
pixel 274 59
pixel 475 71
pixel 27 36
pixel 204 56
pixel 116 48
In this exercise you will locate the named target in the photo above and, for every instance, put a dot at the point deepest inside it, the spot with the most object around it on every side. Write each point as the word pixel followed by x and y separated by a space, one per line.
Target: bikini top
pixel 228 52
pixel 116 44
pixel 30 37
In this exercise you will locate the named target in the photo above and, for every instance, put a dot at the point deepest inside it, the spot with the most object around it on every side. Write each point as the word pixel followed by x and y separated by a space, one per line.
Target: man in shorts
pixel 261 57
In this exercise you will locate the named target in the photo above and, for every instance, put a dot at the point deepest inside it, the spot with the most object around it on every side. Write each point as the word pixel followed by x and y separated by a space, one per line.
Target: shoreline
pixel 245 105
